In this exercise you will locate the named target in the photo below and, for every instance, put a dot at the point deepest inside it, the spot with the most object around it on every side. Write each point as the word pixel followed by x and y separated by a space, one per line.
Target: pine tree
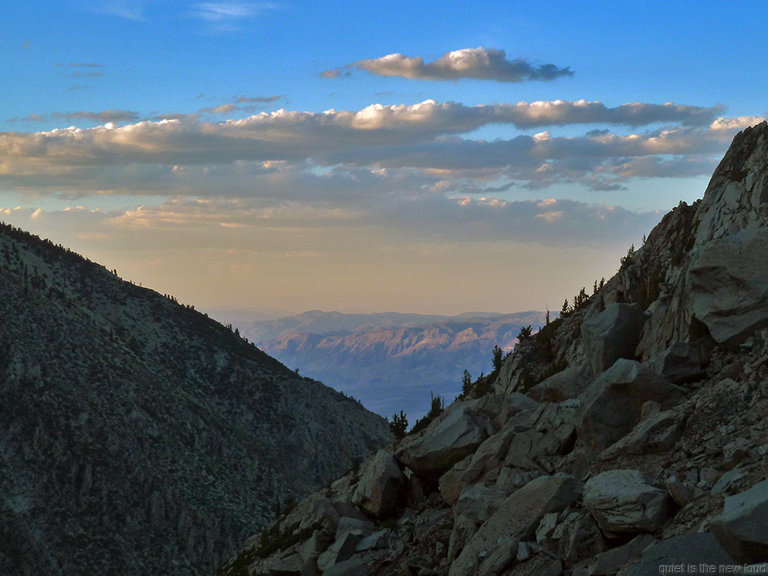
pixel 399 425
pixel 498 357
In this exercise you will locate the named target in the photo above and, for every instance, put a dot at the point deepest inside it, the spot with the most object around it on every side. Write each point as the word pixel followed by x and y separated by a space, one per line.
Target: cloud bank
pixel 410 167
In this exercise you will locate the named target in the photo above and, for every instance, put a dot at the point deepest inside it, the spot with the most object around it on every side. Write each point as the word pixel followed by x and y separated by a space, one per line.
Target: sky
pixel 415 156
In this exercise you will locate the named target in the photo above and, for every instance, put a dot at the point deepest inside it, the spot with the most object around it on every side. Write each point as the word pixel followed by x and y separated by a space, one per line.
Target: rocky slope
pixel 628 437
pixel 137 436
pixel 390 362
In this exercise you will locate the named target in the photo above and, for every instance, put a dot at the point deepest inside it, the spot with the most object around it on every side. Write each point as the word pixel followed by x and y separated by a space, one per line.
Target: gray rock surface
pixel 623 501
pixel 716 268
pixel 494 546
pixel 682 362
pixel 568 383
pixel 611 334
pixel 742 529
pixel 657 433
pixel 380 490
pixel 455 434
pixel 684 550
pixel 613 402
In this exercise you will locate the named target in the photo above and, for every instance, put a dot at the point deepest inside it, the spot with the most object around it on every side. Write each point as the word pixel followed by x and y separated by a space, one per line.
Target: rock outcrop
pixel 611 334
pixel 641 449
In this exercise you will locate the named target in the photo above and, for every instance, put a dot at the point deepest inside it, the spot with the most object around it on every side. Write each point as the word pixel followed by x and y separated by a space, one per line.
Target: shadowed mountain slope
pixel 138 436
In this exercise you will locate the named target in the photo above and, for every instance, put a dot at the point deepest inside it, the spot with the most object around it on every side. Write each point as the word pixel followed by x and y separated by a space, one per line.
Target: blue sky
pixel 410 156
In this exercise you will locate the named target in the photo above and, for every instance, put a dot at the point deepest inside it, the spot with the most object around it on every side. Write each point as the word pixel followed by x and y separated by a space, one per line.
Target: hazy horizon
pixel 437 158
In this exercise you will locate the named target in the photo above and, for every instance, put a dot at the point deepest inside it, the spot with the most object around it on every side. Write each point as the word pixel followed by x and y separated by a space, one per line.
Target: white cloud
pixel 477 63
pixel 225 16
pixel 127 9
pixel 731 125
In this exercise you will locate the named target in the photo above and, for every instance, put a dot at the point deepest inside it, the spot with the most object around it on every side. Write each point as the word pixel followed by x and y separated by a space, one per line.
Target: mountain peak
pixel 737 195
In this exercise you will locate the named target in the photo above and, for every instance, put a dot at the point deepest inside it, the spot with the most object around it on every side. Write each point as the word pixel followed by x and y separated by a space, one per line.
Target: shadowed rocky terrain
pixel 628 437
pixel 137 436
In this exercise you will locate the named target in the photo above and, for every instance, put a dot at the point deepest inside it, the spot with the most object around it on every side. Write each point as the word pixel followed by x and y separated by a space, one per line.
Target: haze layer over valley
pixel 390 362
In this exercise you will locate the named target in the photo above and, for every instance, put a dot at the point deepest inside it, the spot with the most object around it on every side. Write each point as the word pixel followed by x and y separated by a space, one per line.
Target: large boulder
pixel 657 433
pixel 742 528
pixel 494 545
pixel 454 435
pixel 623 501
pixel 682 362
pixel 479 503
pixel 728 284
pixel 568 383
pixel 686 550
pixel 483 464
pixel 611 334
pixel 380 488
pixel 612 404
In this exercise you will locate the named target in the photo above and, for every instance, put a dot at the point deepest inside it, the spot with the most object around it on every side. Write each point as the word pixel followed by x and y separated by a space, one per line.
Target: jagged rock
pixel 623 501
pixel 557 421
pixel 742 528
pixel 737 195
pixel 656 433
pixel 323 511
pixel 495 543
pixel 523 449
pixel 539 565
pixel 291 565
pixel 455 434
pixel 309 550
pixel 375 541
pixel 682 362
pixel 611 561
pixel 577 536
pixel 479 503
pixel 463 529
pixel 685 550
pixel 547 526
pixel 342 549
pixel 380 488
pixel 568 383
pixel 727 480
pixel 728 286
pixel 483 463
pixel 679 490
pixel 613 402
pixel 355 566
pixel 611 334
pixel 503 407
pixel 523 552
pixel 487 461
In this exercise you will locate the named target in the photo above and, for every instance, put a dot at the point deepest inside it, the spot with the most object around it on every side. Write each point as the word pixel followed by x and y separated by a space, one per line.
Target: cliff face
pixel 137 436
pixel 627 436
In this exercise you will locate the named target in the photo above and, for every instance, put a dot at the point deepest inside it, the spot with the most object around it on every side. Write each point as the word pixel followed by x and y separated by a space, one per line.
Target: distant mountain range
pixel 390 361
